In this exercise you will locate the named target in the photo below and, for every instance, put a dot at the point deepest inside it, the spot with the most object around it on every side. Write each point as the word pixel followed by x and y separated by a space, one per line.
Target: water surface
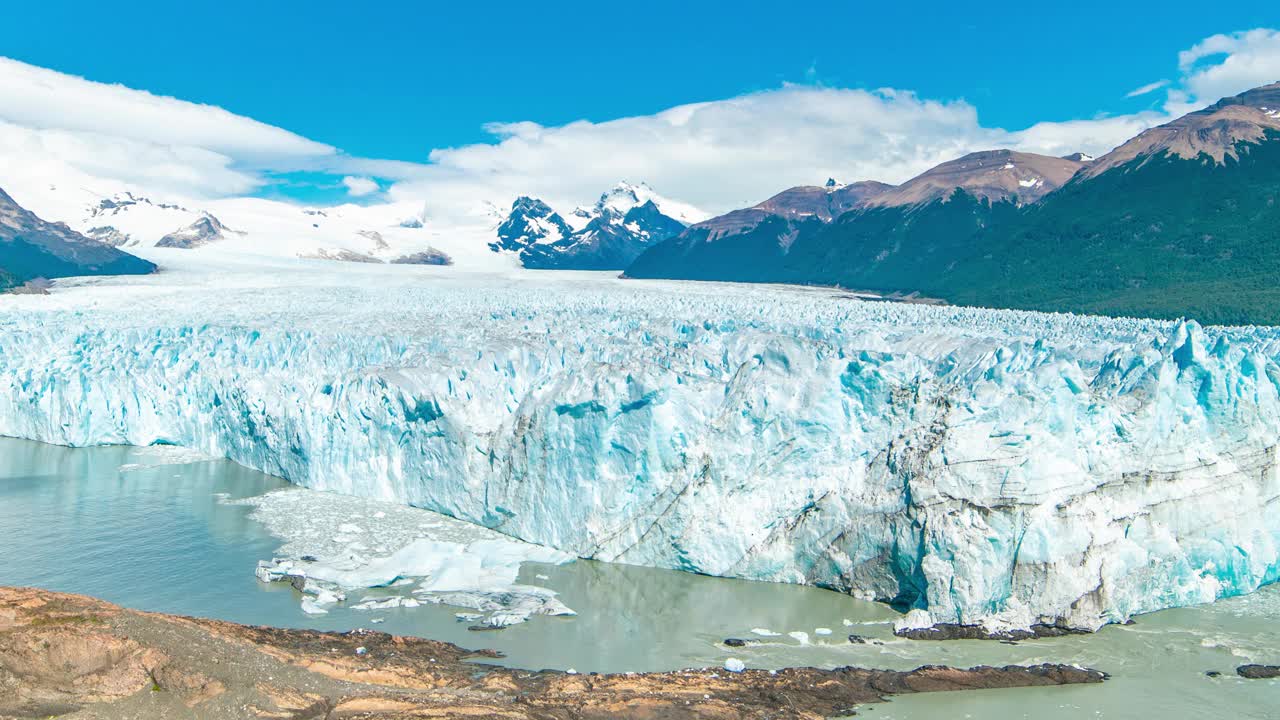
pixel 109 522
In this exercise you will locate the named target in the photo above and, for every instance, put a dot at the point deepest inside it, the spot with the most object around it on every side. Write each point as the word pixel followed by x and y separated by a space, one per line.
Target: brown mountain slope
pixel 1213 131
pixel 988 175
pixel 797 203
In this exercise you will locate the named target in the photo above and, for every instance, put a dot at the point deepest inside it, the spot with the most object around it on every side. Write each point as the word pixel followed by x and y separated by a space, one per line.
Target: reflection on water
pixel 159 538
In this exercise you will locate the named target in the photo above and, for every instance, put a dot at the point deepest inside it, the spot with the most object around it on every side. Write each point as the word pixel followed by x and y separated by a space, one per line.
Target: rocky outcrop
pixel 62 653
pixel 954 631
pixel 1258 672
pixel 430 256
pixel 202 232
pixel 340 255
pixel 108 235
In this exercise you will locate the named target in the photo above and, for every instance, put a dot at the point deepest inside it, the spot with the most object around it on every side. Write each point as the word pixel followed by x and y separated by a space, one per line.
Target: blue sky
pixel 393 80
pixel 715 104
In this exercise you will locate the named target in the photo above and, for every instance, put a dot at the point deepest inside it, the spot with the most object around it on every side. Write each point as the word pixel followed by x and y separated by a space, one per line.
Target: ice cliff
pixel 985 466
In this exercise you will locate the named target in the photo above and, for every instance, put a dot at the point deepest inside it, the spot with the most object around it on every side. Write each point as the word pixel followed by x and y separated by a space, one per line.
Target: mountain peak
pixel 1214 131
pixel 993 175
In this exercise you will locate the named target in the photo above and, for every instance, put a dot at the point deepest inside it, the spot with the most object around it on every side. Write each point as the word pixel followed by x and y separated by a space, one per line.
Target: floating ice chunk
pixel 800 636
pixel 161 455
pixel 734 665
pixel 822 631
pixel 448 561
pixel 764 632
pixel 915 619
pixel 311 606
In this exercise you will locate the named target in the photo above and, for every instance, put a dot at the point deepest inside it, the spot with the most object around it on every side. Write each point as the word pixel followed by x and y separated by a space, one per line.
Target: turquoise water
pixel 161 538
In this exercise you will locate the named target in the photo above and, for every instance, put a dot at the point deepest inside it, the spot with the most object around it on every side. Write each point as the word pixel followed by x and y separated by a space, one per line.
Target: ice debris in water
pixel 162 455
pixel 734 665
pixel 446 561
pixel 986 466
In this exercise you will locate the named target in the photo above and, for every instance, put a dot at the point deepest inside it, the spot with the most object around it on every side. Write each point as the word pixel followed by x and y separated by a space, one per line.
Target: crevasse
pixel 996 467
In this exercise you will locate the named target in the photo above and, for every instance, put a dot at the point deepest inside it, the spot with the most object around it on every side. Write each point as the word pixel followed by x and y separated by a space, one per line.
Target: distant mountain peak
pixel 625 220
pixel 994 175
pixel 204 231
pixel 625 195
pixel 803 202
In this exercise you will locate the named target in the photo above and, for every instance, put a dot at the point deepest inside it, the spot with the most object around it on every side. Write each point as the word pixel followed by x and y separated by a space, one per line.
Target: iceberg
pixel 995 467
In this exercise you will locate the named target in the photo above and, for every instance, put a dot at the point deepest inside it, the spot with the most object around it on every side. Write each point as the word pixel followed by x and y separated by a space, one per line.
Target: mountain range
pixel 609 235
pixel 1182 220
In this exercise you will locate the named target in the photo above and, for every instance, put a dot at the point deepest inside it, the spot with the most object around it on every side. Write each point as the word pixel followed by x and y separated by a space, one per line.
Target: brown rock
pixel 60 652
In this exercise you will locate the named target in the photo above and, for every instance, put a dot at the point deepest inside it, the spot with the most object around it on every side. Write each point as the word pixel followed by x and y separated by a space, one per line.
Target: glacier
pixel 977 466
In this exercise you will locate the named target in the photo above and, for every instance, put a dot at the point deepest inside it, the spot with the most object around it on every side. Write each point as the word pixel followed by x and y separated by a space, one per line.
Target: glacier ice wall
pixel 987 466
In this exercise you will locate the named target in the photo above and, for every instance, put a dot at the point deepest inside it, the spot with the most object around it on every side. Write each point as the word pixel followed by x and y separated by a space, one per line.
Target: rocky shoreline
pixel 73 656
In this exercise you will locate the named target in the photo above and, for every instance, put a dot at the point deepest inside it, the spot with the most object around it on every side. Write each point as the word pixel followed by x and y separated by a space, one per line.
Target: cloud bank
pixel 716 155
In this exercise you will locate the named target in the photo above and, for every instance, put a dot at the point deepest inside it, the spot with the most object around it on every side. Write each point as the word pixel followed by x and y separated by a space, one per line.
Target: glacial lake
pixel 112 523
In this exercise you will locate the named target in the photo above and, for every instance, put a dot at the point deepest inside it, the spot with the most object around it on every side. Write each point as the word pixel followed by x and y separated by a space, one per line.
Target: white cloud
pixel 1245 60
pixel 360 186
pixel 716 155
pixel 1146 89
pixel 727 153
pixel 44 99
pixel 69 126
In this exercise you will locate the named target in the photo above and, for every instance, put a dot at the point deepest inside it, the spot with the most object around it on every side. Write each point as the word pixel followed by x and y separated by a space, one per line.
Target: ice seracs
pixel 995 467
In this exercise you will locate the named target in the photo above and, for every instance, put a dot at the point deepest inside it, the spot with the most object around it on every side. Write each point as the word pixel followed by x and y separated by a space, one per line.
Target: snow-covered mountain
pixel 623 223
pixel 31 248
pixel 607 235
pixel 392 232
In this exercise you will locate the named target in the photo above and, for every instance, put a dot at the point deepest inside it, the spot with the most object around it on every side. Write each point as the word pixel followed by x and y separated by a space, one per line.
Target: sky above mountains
pixel 327 103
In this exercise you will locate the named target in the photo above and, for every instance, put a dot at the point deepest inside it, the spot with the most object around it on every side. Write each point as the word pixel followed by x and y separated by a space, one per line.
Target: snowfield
pixel 983 466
